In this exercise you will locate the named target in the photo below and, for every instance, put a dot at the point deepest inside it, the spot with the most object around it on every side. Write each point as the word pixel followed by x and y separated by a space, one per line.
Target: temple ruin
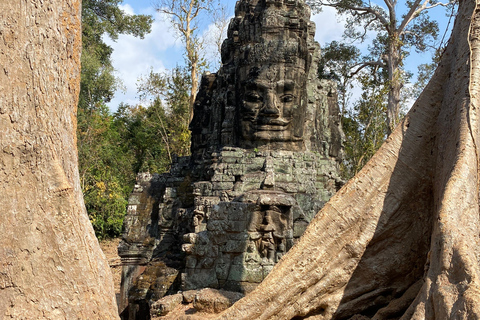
pixel 266 144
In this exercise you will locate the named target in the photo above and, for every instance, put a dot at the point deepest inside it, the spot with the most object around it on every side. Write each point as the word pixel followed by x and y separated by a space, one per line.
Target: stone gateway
pixel 266 143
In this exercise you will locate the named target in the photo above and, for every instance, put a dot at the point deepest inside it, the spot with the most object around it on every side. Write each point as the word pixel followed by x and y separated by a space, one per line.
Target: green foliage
pixel 395 36
pixel 336 63
pixel 156 131
pixel 365 126
pixel 105 170
pixel 138 129
pixel 100 17
pixel 169 108
pixel 105 164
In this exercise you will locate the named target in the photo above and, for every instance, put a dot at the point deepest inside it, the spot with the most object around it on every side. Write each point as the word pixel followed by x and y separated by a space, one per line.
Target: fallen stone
pixel 163 306
pixel 189 296
pixel 215 301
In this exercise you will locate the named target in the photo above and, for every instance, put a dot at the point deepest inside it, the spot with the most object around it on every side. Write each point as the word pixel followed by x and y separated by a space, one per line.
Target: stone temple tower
pixel 266 143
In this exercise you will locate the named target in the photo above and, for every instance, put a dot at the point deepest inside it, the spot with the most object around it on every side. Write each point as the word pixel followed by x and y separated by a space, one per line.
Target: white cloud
pixel 133 57
pixel 329 26
pixel 126 8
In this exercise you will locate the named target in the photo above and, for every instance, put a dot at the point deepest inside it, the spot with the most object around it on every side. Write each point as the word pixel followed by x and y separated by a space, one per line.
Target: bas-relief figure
pixel 266 142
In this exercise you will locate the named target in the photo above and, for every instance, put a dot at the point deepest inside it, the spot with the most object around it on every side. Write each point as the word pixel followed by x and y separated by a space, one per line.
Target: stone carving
pixel 266 141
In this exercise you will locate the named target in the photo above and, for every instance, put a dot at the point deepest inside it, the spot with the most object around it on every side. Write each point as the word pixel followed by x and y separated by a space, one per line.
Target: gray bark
pixel 51 266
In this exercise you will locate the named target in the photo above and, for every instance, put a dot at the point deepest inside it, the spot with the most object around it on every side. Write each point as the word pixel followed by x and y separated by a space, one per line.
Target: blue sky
pixel 160 50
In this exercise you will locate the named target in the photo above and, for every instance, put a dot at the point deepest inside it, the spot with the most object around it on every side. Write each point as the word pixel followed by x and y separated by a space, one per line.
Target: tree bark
pixel 394 83
pixel 401 239
pixel 51 266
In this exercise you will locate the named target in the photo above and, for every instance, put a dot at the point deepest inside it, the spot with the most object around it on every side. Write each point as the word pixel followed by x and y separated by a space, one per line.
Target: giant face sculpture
pixel 271 109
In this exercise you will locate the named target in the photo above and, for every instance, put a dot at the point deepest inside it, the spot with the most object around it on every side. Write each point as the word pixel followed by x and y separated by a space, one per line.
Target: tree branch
pixel 415 11
pixel 367 64
pixel 410 15
pixel 370 10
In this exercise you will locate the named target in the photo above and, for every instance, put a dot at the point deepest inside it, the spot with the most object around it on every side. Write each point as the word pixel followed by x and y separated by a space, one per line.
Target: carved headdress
pixel 259 97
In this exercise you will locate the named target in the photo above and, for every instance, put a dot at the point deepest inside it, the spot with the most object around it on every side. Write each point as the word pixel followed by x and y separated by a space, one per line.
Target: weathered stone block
pixel 134 199
pixel 276 198
pixel 215 301
pixel 233 157
pixel 233 246
pixel 229 159
pixel 241 237
pixel 283 168
pixel 202 188
pixel 218 212
pixel 236 169
pixel 299 228
pixel 282 154
pixel 254 167
pixel 218 237
pixel 236 226
pixel 217 225
pixel 222 270
pixel 223 178
pixel 222 185
pixel 189 296
pixel 190 261
pixel 243 273
pixel 199 278
pixel 239 153
pixel 266 270
pixel 237 211
pixel 236 258
pixel 163 306
pixel 288 187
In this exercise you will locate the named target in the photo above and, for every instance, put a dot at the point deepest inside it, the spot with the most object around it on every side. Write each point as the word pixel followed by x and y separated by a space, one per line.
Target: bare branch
pixel 417 9
pixel 378 15
pixel 390 5
pixel 367 64
pixel 438 4
pixel 410 15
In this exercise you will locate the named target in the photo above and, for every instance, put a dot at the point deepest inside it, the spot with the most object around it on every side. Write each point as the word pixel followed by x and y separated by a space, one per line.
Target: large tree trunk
pixel 401 239
pixel 51 266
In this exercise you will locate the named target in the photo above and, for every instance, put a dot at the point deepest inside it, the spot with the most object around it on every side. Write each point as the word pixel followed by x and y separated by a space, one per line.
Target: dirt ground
pixel 109 248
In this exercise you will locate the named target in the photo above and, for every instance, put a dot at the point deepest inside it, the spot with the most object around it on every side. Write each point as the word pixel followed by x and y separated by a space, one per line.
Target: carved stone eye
pixel 286 98
pixel 253 97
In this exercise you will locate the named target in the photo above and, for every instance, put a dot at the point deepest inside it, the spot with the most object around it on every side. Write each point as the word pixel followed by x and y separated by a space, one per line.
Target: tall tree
pixel 51 264
pixel 106 168
pixel 336 63
pixel 399 240
pixel 170 108
pixel 185 18
pixel 363 121
pixel 364 126
pixel 395 35
pixel 100 17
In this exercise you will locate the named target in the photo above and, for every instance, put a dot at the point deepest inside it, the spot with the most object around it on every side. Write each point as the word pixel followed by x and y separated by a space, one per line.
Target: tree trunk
pixel 395 85
pixel 193 91
pixel 401 239
pixel 51 266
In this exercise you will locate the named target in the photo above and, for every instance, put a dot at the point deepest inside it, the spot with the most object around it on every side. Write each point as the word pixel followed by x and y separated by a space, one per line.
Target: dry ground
pixel 110 250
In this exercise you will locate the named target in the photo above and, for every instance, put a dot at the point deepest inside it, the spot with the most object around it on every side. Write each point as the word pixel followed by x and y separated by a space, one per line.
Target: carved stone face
pixel 270 101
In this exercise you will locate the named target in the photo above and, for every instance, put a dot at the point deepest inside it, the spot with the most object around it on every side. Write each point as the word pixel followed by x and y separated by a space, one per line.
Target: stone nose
pixel 270 106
